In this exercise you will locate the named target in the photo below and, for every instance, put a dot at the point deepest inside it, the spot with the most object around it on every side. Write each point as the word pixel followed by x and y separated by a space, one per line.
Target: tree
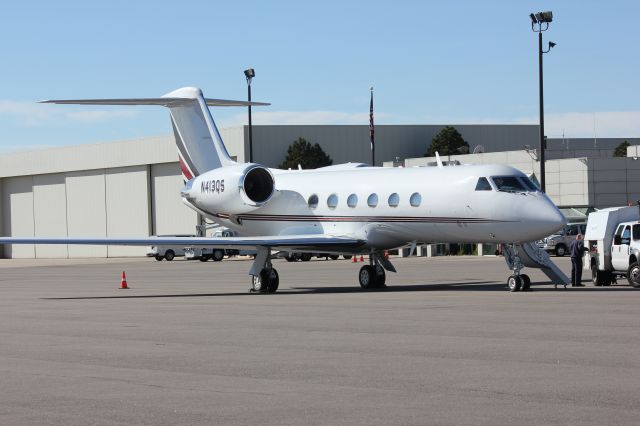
pixel 306 155
pixel 621 150
pixel 448 141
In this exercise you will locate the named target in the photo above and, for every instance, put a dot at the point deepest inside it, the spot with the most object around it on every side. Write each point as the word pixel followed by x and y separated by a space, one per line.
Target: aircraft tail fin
pixel 200 146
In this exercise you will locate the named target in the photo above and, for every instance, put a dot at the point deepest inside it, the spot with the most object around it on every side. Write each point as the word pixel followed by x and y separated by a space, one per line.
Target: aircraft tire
pixel 158 257
pixel 381 277
pixel 266 282
pixel 334 256
pixel 347 256
pixel 305 257
pixel 217 255
pixel 514 282
pixel 367 277
pixel 561 250
pixel 203 258
pixel 169 255
pixel 526 282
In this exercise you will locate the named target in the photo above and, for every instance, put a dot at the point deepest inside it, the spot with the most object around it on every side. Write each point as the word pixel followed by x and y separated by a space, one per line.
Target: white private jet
pixel 342 209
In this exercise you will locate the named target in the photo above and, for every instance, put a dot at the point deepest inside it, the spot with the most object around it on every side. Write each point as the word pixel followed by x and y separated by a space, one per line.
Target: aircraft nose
pixel 549 217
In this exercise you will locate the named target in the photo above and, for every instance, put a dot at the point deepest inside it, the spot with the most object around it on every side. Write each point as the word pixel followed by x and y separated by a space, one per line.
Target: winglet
pixel 438 160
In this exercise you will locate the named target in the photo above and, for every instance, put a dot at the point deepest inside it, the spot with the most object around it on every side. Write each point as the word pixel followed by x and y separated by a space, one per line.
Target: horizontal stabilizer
pixel 167 102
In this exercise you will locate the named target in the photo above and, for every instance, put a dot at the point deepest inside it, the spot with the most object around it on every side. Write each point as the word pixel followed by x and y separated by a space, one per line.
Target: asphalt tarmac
pixel 446 343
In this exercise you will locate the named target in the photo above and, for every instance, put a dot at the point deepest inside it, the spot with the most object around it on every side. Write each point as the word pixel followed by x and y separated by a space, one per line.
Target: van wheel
pixel 561 250
pixel 633 275
pixel 158 257
pixel 169 255
pixel 218 255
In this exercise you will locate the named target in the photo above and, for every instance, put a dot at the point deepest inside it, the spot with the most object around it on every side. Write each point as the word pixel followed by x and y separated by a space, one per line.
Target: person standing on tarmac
pixel 577 250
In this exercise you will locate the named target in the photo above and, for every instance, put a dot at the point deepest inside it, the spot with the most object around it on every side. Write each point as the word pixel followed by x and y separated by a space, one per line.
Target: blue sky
pixel 430 62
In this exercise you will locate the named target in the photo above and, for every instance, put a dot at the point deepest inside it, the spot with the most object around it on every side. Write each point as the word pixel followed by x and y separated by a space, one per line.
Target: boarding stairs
pixel 532 256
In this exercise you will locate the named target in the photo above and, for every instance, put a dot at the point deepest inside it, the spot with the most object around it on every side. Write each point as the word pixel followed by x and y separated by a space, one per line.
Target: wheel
pixel 203 258
pixel 514 282
pixel 290 258
pixel 366 277
pixel 633 275
pixel 599 277
pixel 381 276
pixel 305 257
pixel 158 257
pixel 526 282
pixel 266 282
pixel 217 255
pixel 334 256
pixel 347 256
pixel 169 255
pixel 561 250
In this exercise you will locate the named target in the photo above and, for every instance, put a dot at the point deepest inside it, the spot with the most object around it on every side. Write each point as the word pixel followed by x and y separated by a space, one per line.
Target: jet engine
pixel 231 190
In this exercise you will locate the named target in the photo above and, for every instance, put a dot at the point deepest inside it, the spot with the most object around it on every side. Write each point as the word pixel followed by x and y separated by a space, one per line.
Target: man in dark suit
pixel 577 250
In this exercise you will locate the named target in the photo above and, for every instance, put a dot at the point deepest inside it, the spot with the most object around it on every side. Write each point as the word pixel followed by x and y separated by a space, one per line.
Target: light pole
pixel 249 74
pixel 542 20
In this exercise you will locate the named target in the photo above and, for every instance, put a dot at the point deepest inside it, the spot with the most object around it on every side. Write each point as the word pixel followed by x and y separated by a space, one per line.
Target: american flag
pixel 371 129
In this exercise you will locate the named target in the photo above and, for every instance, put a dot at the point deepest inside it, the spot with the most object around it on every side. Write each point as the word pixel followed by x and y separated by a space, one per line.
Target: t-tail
pixel 200 147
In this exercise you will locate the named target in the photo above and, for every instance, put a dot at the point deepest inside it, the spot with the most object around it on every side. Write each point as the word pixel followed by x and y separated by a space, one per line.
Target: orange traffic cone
pixel 123 283
pixel 355 259
pixel 361 258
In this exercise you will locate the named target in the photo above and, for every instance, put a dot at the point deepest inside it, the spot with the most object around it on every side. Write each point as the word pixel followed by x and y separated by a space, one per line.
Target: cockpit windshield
pixel 509 184
pixel 528 183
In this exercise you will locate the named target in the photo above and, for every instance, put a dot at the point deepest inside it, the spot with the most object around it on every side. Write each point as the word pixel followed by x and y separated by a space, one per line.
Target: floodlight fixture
pixel 551 45
pixel 249 73
pixel 534 20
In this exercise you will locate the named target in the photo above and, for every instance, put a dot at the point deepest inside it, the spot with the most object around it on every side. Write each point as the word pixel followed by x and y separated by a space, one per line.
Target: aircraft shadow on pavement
pixel 466 286
pixel 473 285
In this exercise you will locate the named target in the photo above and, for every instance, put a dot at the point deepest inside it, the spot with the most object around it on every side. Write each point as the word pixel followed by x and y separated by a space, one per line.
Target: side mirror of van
pixel 617 240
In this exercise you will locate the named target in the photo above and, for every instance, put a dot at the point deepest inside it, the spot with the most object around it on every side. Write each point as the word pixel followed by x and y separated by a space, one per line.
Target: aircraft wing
pixel 282 242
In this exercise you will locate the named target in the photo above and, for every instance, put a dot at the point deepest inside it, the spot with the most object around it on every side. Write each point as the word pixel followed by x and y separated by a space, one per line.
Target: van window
pixel 636 232
pixel 483 185
pixel 626 235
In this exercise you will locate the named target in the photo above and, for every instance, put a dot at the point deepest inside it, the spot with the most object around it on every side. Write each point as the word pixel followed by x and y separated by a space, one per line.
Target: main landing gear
pixel 264 277
pixel 373 276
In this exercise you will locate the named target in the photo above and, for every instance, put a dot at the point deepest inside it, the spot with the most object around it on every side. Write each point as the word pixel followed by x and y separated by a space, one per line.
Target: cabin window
pixel 332 201
pixel 415 200
pixel 483 185
pixel 394 200
pixel 372 201
pixel 636 232
pixel 352 201
pixel 313 201
pixel 508 184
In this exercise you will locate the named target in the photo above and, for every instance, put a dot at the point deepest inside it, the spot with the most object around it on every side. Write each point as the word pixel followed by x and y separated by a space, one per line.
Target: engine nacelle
pixel 231 190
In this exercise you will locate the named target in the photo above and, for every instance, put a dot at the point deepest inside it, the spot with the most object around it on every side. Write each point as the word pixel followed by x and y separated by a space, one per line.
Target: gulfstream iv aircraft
pixel 342 209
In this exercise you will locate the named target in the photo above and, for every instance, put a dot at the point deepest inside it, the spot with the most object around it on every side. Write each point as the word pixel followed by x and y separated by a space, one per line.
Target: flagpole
pixel 371 131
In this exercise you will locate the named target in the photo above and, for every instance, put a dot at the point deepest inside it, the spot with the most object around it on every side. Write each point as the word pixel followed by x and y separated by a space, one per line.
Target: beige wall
pixel 18 214
pixel 86 210
pixel 50 213
pixel 169 215
pixel 127 207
